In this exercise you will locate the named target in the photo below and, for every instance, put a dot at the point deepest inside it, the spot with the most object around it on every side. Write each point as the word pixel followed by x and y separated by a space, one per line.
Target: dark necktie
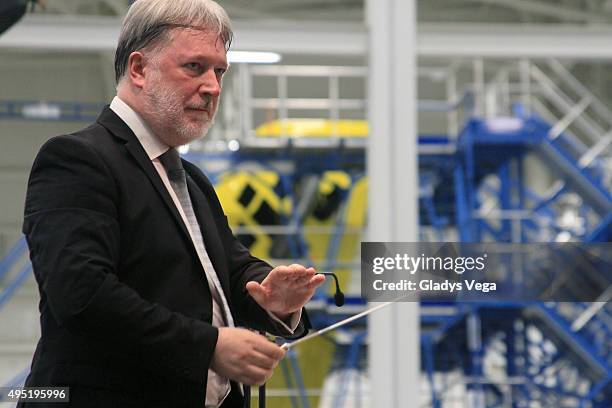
pixel 176 173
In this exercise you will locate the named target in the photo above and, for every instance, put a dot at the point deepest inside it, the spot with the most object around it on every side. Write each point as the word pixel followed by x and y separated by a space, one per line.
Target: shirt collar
pixel 151 143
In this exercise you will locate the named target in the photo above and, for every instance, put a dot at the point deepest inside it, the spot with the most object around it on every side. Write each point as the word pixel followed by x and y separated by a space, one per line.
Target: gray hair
pixel 148 23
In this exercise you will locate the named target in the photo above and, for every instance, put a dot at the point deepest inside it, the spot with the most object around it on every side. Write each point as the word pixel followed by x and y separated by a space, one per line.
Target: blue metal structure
pixel 12 283
pixel 563 347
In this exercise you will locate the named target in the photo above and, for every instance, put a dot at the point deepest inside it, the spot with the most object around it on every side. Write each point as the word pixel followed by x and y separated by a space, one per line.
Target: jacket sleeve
pixel 72 228
pixel 246 268
pixel 243 267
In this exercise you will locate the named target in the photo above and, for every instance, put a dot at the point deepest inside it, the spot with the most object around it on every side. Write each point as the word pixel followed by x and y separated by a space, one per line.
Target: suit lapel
pixel 210 234
pixel 120 129
pixel 147 166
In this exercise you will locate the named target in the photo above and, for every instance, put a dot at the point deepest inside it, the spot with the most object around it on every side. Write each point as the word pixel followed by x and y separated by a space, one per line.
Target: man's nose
pixel 211 84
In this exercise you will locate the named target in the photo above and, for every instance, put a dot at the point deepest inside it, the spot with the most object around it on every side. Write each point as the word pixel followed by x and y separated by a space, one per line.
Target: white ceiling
pixel 510 11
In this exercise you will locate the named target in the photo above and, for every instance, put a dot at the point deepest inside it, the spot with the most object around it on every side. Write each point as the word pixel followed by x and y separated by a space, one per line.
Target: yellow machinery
pixel 332 225
pixel 313 128
pixel 250 200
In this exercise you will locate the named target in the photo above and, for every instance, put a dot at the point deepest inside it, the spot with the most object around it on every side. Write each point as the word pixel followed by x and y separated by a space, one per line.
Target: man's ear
pixel 135 69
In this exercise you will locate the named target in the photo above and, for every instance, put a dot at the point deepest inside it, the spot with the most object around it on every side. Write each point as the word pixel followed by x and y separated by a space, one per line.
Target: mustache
pixel 206 104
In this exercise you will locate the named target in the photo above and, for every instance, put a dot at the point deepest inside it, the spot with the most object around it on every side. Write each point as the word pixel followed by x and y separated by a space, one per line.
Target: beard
pixel 167 117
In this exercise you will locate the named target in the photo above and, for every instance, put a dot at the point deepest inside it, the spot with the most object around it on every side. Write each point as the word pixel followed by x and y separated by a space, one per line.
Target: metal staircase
pixel 521 111
pixel 541 110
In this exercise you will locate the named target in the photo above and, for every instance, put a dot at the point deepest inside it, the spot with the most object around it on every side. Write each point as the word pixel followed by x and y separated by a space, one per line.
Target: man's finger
pixel 256 291
pixel 254 375
pixel 282 272
pixel 301 279
pixel 316 281
pixel 269 349
pixel 261 360
pixel 253 286
pixel 297 268
pixel 300 273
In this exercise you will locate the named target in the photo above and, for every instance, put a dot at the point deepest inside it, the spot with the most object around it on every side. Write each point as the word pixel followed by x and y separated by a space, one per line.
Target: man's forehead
pixel 199 32
pixel 196 40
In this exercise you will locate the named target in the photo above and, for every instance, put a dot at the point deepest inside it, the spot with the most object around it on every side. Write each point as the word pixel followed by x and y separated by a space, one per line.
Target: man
pixel 142 283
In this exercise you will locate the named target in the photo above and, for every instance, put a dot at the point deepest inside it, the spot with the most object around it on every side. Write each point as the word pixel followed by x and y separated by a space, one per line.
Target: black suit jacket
pixel 124 303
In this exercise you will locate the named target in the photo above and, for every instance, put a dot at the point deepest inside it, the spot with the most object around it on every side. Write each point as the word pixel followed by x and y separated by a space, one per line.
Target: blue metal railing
pixel 24 273
pixel 14 255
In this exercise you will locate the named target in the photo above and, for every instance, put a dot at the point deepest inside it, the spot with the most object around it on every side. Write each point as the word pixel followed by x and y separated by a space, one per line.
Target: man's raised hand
pixel 286 289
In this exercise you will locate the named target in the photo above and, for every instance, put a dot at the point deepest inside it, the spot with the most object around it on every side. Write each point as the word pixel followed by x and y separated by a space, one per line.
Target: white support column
pixel 393 191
